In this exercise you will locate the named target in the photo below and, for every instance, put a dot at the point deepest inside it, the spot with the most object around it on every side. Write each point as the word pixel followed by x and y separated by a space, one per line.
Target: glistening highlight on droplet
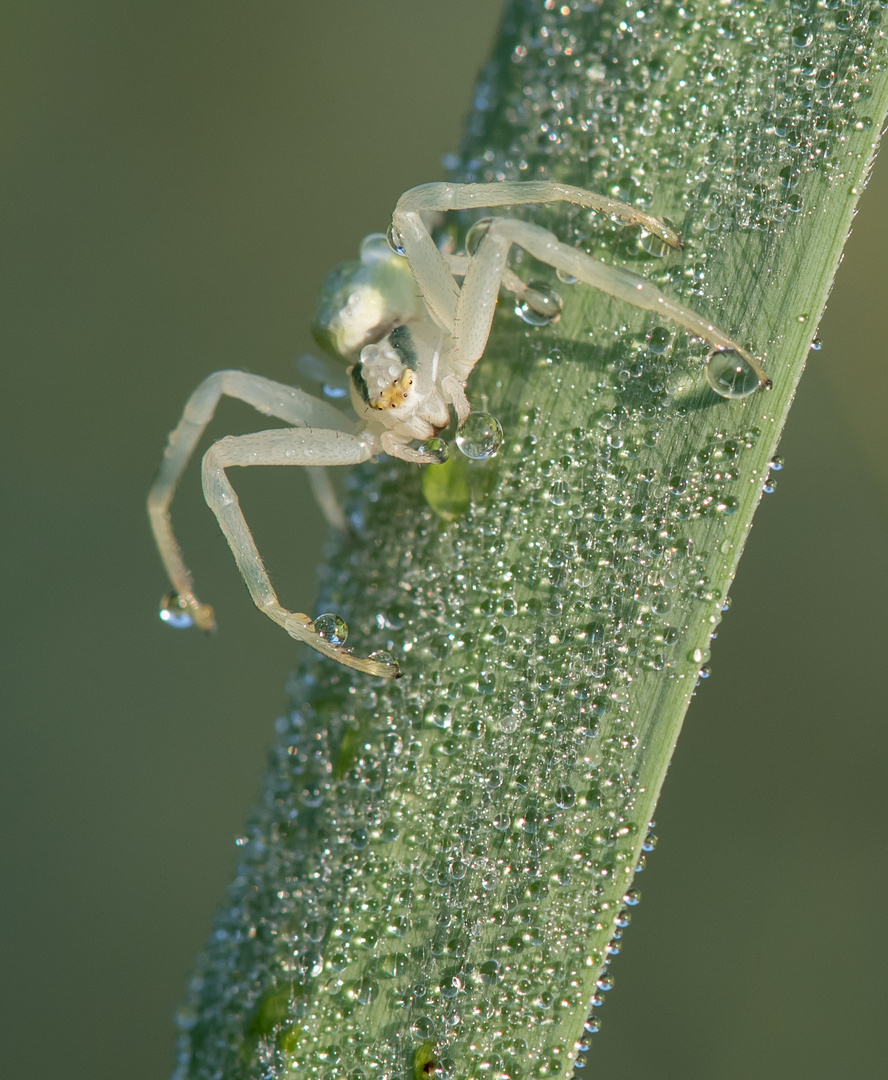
pixel 731 375
pixel 174 611
pixel 332 628
pixel 480 436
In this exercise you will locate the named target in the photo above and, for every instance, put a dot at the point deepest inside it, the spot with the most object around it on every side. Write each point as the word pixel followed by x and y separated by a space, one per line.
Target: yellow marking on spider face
pixel 395 394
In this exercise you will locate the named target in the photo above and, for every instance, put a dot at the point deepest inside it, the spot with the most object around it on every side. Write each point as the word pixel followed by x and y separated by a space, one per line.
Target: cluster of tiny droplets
pixel 481 819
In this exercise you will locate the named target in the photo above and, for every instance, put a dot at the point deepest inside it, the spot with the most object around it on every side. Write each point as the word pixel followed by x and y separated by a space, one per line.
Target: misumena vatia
pixel 412 334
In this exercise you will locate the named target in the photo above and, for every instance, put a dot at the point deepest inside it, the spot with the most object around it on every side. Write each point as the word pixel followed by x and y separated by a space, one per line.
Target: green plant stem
pixel 437 868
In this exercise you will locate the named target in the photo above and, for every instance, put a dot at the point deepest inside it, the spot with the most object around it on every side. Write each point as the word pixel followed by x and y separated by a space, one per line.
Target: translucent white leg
pixel 268 397
pixel 285 446
pixel 430 268
pixel 458 265
pixel 485 273
pixel 440 197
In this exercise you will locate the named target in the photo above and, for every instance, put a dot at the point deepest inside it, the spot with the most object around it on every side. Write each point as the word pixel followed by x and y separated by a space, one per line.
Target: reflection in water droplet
pixel 539 305
pixel 394 241
pixel 776 463
pixel 175 612
pixel 563 275
pixel 480 436
pixel 802 36
pixel 658 340
pixel 436 449
pixel 476 234
pixel 730 375
pixel 654 245
pixel 381 656
pixel 331 628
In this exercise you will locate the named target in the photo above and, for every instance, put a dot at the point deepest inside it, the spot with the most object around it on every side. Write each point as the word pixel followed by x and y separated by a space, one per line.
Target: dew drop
pixel 476 234
pixel 175 612
pixel 394 241
pixel 436 450
pixel 480 436
pixel 380 655
pixel 658 340
pixel 730 375
pixel 567 279
pixel 776 463
pixel 539 305
pixel 331 628
pixel 802 36
pixel 654 245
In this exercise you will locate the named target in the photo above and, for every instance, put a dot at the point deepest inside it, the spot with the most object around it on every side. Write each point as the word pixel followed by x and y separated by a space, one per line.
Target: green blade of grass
pixel 434 876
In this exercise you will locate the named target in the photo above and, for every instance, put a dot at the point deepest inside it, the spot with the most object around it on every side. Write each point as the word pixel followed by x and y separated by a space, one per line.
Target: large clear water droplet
pixel 331 628
pixel 539 305
pixel 480 436
pixel 730 375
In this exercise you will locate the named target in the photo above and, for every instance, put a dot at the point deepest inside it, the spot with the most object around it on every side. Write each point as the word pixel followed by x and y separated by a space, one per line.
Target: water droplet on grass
pixel 730 375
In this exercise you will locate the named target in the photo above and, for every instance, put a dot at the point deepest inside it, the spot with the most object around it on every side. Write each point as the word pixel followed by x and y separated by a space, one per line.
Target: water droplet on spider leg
pixel 331 628
pixel 654 245
pixel 394 241
pixel 476 234
pixel 384 657
pixel 176 612
pixel 436 450
pixel 539 305
pixel 480 436
pixel 564 276
pixel 730 375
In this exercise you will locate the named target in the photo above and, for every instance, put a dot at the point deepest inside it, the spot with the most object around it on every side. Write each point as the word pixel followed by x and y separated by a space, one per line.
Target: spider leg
pixel 441 197
pixel 485 273
pixel 283 446
pixel 268 397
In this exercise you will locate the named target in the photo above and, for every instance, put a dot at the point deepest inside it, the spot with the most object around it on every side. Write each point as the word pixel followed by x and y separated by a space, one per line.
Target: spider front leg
pixel 286 446
pixel 271 399
pixel 467 313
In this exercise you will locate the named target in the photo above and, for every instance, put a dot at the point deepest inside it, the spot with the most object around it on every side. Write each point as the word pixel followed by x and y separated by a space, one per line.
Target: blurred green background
pixel 177 180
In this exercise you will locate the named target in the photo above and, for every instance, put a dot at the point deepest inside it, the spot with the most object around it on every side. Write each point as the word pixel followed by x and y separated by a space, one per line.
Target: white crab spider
pixel 413 335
